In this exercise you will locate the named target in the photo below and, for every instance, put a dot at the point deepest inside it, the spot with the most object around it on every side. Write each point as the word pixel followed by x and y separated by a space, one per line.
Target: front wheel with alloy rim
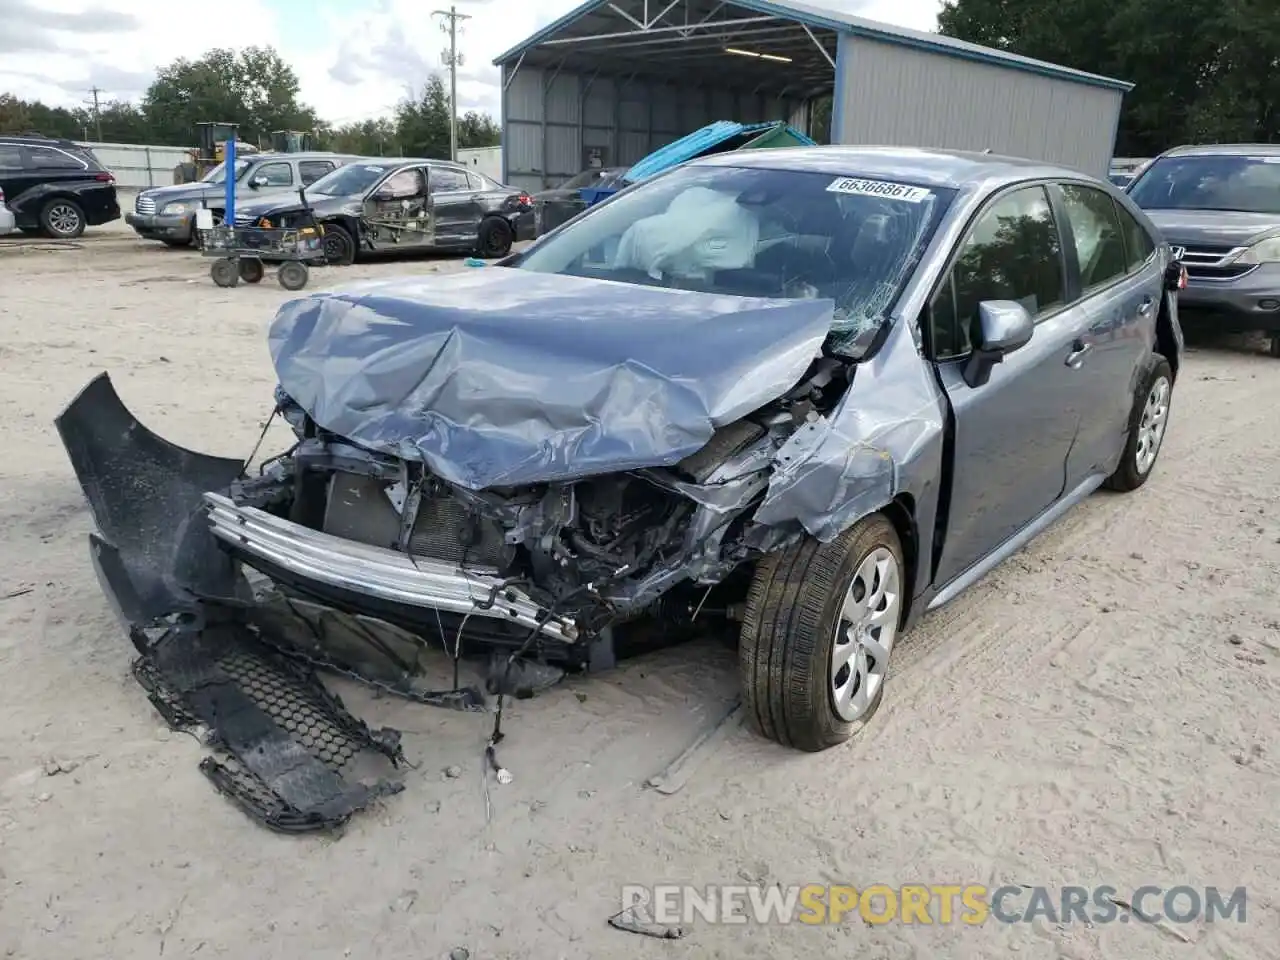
pixel 1147 424
pixel 820 625
pixel 62 219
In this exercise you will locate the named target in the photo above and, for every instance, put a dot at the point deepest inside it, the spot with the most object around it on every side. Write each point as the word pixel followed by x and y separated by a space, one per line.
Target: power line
pixel 453 60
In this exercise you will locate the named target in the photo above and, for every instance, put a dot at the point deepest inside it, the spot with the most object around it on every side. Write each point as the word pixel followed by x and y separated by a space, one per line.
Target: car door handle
pixel 1078 350
pixel 1144 310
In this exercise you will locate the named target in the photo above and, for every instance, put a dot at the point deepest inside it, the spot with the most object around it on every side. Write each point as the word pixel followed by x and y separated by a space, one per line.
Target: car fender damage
pixel 479 482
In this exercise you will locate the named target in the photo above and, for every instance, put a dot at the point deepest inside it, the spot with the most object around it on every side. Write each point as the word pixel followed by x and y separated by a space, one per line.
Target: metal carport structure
pixel 615 79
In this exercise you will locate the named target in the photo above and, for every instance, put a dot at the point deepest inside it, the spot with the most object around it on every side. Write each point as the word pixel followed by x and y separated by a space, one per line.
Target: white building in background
pixel 486 160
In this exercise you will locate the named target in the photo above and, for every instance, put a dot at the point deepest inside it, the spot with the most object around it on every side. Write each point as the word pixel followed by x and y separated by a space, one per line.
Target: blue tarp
pixel 696 144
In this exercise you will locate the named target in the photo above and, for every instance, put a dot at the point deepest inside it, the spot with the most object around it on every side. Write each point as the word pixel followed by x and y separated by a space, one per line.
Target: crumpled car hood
pixel 502 377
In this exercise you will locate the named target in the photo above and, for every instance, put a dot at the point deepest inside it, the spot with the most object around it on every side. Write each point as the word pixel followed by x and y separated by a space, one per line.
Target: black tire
pixel 1130 474
pixel 1273 346
pixel 496 237
pixel 62 219
pixel 293 275
pixel 339 247
pixel 793 611
pixel 224 272
pixel 252 270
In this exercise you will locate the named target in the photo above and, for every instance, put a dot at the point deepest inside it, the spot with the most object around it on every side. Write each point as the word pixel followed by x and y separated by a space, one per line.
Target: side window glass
pixel 404 184
pixel 276 174
pixel 50 159
pixel 312 170
pixel 475 183
pixel 10 157
pixel 1012 252
pixel 1138 243
pixel 1099 244
pixel 442 179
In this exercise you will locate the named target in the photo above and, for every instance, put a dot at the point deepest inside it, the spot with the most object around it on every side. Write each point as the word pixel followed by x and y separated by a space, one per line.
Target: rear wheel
pixel 496 237
pixel 1147 423
pixel 62 219
pixel 1273 346
pixel 820 626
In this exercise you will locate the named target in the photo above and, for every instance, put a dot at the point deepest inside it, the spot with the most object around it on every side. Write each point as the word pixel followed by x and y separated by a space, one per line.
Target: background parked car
pixel 8 223
pixel 562 203
pixel 1219 206
pixel 168 214
pixel 55 187
pixel 381 204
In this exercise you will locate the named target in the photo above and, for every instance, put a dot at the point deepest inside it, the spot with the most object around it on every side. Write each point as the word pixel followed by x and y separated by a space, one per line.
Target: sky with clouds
pixel 354 58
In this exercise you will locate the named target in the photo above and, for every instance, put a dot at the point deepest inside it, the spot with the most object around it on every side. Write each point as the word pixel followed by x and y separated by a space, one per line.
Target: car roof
pixel 300 155
pixel 35 140
pixel 1225 150
pixel 935 168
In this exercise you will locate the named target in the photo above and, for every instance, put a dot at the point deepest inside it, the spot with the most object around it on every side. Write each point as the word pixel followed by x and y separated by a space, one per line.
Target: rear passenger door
pixel 1118 287
pixel 454 206
pixel 1013 434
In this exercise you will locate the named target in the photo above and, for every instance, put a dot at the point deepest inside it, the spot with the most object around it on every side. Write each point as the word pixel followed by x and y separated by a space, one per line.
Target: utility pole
pixel 97 115
pixel 453 60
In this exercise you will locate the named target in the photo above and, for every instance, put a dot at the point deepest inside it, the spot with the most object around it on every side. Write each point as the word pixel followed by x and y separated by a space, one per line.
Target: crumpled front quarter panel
pixel 501 376
pixel 884 438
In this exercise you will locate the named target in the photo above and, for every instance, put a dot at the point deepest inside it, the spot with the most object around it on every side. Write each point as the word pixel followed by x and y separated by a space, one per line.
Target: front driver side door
pixel 398 210
pixel 1013 433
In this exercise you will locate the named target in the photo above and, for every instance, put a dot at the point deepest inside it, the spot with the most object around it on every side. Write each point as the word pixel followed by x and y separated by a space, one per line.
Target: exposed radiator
pixel 359 509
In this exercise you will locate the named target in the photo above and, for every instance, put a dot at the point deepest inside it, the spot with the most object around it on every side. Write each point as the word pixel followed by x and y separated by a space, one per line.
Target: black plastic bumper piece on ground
pixel 287 748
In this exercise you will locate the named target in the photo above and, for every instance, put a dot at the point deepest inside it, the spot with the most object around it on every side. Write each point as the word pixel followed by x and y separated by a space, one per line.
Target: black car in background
pixel 560 204
pixel 383 204
pixel 55 187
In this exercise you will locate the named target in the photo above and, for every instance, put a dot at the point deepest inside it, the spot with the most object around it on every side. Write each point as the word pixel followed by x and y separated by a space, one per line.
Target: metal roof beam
pixel 816 43
pixel 562 41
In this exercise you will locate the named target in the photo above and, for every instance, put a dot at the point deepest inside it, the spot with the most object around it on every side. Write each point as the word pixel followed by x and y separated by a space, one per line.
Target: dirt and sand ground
pixel 1101 710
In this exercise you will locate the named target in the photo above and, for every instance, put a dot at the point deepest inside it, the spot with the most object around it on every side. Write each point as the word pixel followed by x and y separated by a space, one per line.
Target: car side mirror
pixel 382 195
pixel 1003 327
pixel 257 182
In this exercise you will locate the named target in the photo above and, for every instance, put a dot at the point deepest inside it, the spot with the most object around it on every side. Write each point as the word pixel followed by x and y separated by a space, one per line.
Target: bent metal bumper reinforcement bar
pixel 377 572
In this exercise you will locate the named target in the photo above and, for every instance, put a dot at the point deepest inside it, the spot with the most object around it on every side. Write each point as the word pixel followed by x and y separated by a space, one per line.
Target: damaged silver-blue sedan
pixel 801 395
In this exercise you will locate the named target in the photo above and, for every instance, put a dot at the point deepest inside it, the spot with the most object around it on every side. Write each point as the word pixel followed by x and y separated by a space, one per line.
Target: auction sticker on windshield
pixel 878 188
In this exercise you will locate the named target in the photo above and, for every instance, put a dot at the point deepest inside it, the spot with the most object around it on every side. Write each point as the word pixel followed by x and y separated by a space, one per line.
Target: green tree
pixel 369 138
pixel 477 129
pixel 254 88
pixel 422 124
pixel 422 121
pixel 1200 71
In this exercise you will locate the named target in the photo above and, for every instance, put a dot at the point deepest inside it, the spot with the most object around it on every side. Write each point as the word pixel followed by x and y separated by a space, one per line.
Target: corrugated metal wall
pixel 904 97
pixel 549 119
pixel 139 165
